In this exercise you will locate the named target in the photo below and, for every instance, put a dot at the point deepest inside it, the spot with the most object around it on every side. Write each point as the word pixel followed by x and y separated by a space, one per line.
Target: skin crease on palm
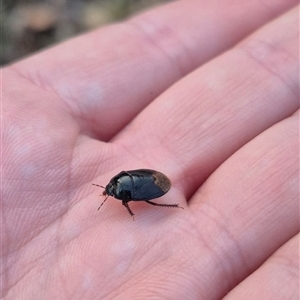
pixel 205 92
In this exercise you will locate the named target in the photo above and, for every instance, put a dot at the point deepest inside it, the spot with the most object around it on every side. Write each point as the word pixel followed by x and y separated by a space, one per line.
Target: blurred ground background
pixel 29 25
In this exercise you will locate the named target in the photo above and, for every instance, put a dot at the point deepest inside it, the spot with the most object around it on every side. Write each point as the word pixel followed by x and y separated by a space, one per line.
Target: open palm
pixel 208 95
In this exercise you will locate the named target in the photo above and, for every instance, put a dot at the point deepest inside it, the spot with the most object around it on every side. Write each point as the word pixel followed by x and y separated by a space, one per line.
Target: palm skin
pixel 165 92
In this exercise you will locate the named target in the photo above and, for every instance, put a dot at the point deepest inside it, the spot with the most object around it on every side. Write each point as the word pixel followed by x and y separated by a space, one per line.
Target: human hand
pixel 166 90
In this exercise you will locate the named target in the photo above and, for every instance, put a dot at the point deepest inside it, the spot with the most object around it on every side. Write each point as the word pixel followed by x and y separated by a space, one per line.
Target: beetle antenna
pixel 103 202
pixel 98 185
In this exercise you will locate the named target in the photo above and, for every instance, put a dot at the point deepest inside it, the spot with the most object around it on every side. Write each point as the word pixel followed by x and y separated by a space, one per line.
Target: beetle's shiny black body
pixel 138 185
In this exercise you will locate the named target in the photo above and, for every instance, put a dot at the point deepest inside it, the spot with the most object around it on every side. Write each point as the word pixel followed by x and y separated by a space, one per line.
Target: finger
pixel 108 76
pixel 249 207
pixel 211 113
pixel 276 279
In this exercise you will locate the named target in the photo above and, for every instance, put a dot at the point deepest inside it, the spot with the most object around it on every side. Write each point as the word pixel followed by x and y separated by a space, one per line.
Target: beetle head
pixel 109 190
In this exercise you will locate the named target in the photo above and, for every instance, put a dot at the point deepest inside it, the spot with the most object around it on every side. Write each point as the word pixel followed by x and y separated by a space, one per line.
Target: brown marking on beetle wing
pixel 162 181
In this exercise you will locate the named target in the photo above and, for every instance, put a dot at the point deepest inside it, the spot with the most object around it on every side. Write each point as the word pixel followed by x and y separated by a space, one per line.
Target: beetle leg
pixel 125 203
pixel 164 205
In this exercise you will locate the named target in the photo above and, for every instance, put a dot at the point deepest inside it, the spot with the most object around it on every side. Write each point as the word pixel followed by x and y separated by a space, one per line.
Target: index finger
pixel 108 76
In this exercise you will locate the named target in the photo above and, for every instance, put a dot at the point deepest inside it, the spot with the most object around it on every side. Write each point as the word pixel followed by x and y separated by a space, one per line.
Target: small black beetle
pixel 138 185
